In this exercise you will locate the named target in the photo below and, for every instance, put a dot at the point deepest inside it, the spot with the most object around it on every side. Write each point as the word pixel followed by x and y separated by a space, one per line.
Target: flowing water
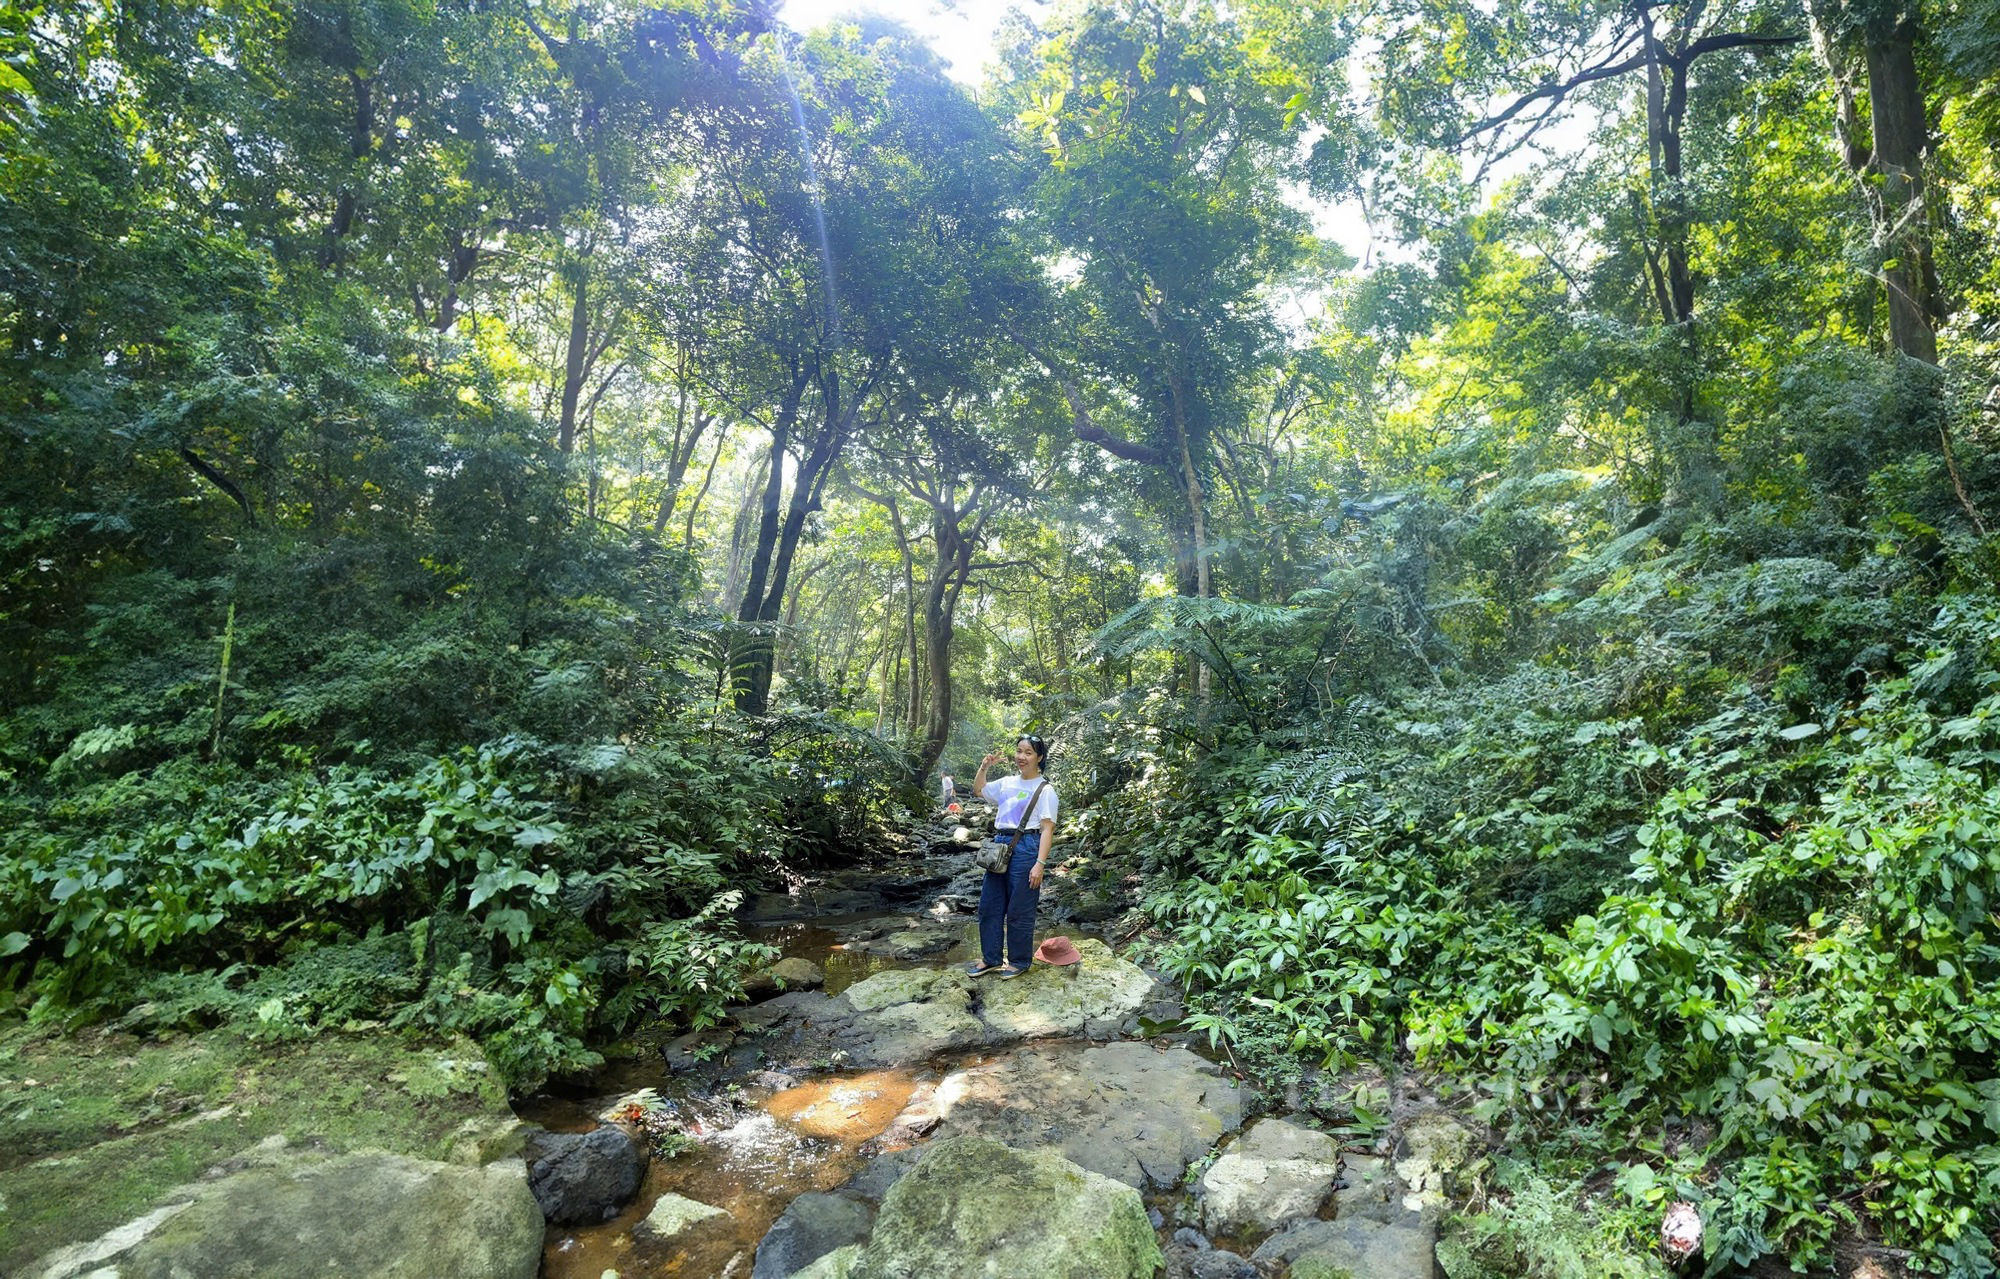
pixel 758 1150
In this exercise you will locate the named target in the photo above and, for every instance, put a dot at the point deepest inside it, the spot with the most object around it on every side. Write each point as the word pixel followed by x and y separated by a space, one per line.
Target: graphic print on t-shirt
pixel 1011 795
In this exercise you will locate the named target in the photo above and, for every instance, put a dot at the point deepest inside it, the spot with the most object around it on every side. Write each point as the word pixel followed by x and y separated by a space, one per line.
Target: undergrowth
pixel 1718 923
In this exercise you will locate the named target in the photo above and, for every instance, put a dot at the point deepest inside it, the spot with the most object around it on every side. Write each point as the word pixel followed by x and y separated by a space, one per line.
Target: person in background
pixel 1007 902
pixel 949 789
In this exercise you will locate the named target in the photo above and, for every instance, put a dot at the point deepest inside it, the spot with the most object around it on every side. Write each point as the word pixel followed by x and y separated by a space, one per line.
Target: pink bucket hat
pixel 1060 951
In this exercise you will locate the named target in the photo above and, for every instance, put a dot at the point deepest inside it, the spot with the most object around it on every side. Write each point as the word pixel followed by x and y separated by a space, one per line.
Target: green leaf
pixel 13 944
pixel 1799 732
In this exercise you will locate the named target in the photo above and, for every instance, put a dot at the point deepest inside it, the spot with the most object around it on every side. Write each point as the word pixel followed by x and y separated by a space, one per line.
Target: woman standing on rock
pixel 1007 902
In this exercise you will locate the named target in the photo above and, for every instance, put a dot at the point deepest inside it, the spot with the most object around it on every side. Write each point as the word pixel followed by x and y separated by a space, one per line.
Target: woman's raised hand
pixel 990 760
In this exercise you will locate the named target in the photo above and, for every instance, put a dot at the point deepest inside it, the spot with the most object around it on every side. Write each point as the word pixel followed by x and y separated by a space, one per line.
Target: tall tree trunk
pixel 768 518
pixel 1197 513
pixel 762 601
pixel 740 531
pixel 360 141
pixel 576 361
pixel 464 257
pixel 937 660
pixel 1902 137
pixel 948 579
pixel 701 494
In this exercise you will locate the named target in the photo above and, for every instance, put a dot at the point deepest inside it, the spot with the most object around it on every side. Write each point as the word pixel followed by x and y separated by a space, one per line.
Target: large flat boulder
pixel 97 1128
pixel 1276 1172
pixel 295 1212
pixel 913 1030
pixel 1123 1109
pixel 976 1209
pixel 906 1015
pixel 1094 996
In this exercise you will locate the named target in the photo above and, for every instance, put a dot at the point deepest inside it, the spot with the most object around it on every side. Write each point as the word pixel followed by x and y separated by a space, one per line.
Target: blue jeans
pixel 1007 906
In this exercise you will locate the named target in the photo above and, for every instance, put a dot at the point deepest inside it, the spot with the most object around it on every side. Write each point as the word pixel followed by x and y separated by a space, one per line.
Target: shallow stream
pixel 758 1146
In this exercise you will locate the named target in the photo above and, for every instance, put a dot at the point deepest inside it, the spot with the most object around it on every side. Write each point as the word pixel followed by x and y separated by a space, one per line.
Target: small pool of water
pixel 823 941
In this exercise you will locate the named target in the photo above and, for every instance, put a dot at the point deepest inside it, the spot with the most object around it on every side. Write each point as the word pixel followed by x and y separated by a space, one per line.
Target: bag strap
pixel 1026 814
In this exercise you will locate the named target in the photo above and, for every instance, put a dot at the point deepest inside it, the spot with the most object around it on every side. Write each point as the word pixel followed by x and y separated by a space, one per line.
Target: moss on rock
pixel 973 1207
pixel 95 1127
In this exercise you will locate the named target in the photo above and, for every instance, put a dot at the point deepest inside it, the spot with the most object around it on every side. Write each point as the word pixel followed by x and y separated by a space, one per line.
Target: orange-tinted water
pixel 751 1162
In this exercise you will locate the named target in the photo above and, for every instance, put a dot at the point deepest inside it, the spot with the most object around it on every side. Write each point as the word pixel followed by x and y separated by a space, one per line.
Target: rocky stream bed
pixel 876 1113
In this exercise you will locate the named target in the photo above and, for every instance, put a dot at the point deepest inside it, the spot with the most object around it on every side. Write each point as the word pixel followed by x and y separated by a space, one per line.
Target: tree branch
pixel 1607 70
pixel 220 481
pixel 1085 429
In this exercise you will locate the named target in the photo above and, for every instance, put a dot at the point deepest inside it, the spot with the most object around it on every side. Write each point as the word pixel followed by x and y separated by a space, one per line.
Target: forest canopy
pixel 1490 502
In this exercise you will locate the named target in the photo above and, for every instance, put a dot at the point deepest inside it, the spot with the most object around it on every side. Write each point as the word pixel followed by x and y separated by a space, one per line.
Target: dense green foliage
pixel 1490 501
pixel 362 718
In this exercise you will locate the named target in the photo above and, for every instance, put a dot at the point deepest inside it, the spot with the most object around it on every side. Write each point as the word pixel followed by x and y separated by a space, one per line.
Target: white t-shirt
pixel 1011 794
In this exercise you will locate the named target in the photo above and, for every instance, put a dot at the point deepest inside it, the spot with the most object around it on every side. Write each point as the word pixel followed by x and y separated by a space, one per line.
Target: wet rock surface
pixel 674 1215
pixel 1354 1248
pixel 584 1177
pixel 785 975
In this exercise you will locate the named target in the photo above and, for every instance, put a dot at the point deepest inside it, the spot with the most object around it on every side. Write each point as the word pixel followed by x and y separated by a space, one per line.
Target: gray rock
pixel 697 1046
pixel 675 1215
pixel 786 974
pixel 975 1209
pixel 1275 1172
pixel 1354 1248
pixel 1436 1148
pixel 911 943
pixel 1052 1001
pixel 880 1173
pixel 797 1005
pixel 912 1031
pixel 1372 1190
pixel 1189 1237
pixel 1220 1264
pixel 297 1213
pixel 846 901
pixel 1125 1110
pixel 907 1015
pixel 811 1227
pixel 585 1178
pixel 906 986
pixel 797 974
pixel 841 1263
